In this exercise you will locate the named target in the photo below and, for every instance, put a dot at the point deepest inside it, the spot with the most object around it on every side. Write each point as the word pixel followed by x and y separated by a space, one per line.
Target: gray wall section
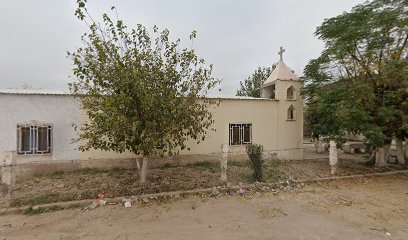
pixel 62 111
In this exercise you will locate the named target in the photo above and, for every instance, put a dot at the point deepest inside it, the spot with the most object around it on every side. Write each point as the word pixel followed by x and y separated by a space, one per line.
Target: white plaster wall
pixel 281 138
pixel 62 111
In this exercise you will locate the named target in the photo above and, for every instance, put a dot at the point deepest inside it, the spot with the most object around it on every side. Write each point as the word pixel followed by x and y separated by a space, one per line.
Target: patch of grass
pixel 206 165
pixel 31 211
pixel 53 197
pixel 239 163
pixel 56 174
pixel 34 211
pixel 166 165
pixel 274 171
pixel 43 199
pixel 90 171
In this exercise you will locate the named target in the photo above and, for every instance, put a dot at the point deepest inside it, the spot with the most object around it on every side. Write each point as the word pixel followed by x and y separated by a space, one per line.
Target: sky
pixel 236 36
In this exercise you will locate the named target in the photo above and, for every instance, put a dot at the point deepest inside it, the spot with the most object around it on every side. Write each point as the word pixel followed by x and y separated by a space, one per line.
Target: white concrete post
pixel 333 157
pixel 319 146
pixel 223 161
pixel 400 151
pixel 8 171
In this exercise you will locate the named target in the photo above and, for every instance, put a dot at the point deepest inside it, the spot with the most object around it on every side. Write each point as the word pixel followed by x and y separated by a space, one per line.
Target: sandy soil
pixel 368 208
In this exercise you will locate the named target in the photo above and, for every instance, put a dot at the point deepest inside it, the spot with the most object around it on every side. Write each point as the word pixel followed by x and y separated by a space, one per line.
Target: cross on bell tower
pixel 280 53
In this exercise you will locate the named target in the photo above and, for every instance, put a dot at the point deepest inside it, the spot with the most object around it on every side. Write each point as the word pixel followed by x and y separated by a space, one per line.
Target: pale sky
pixel 236 36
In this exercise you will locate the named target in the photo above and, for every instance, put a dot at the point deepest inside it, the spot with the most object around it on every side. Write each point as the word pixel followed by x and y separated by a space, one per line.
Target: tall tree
pixel 251 86
pixel 141 93
pixel 359 83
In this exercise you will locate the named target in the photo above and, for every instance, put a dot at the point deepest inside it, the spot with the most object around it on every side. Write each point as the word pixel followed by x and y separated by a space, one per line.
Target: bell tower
pixel 284 86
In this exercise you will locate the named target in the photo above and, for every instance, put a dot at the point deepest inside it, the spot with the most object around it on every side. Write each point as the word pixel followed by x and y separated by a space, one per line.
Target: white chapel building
pixel 40 125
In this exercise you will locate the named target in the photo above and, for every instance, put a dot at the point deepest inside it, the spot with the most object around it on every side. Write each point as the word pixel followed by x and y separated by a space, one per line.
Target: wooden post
pixel 224 161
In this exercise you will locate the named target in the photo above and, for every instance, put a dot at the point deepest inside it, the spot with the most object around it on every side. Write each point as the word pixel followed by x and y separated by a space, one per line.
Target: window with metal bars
pixel 240 134
pixel 34 139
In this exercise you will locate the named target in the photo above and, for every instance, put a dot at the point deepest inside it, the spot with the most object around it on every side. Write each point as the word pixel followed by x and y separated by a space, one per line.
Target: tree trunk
pixel 381 156
pixel 406 152
pixel 400 151
pixel 143 171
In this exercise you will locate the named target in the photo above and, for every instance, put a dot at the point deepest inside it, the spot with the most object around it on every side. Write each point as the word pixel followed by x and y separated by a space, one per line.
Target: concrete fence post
pixel 319 146
pixel 8 168
pixel 333 157
pixel 223 161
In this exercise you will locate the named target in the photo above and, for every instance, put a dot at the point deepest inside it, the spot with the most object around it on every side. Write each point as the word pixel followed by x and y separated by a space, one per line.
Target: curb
pixel 81 203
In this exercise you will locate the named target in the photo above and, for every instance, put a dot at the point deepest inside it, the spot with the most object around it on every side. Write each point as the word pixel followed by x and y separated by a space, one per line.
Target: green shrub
pixel 254 152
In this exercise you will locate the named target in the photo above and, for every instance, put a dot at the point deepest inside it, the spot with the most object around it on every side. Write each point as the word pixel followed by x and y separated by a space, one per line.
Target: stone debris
pixel 145 200
pixel 127 202
pixel 214 192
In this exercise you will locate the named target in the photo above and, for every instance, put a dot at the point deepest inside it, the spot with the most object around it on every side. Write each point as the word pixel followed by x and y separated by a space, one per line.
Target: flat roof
pixel 33 92
pixel 66 93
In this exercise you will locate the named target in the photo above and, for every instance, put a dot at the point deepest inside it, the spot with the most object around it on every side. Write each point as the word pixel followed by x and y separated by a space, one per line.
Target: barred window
pixel 240 134
pixel 34 139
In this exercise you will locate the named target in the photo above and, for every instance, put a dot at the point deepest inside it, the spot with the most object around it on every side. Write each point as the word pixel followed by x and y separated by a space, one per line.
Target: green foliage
pixel 142 93
pixel 359 84
pixel 255 152
pixel 251 86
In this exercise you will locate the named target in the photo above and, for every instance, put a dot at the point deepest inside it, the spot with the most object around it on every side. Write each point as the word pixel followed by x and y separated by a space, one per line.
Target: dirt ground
pixel 87 183
pixel 367 208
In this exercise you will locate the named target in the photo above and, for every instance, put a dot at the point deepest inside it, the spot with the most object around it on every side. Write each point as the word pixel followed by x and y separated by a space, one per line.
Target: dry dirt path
pixel 369 208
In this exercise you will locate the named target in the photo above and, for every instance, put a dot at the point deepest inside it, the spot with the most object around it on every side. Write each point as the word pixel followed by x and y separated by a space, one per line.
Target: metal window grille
pixel 240 134
pixel 34 139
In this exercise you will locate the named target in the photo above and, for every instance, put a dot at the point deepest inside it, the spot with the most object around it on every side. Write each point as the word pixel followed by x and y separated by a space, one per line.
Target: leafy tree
pixel 251 86
pixel 141 93
pixel 359 83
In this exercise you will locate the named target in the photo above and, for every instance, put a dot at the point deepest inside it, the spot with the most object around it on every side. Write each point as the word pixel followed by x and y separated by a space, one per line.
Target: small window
pixel 291 113
pixel 34 139
pixel 290 93
pixel 273 92
pixel 240 134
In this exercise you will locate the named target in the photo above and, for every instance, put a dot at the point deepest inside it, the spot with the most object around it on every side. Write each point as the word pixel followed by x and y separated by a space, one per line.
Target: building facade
pixel 43 126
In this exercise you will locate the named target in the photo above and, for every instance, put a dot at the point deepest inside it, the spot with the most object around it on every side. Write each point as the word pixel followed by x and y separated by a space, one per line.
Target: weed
pixel 207 165
pixel 239 163
pixel 254 152
pixel 43 199
pixel 39 210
